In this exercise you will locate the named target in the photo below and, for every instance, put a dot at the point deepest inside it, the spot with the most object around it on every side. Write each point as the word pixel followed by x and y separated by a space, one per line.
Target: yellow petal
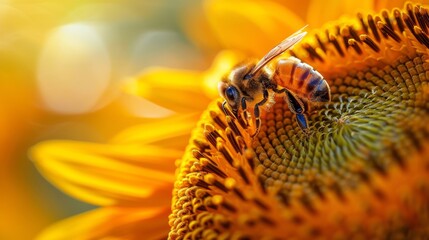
pixel 222 64
pixel 171 89
pixel 172 132
pixel 160 85
pixel 250 26
pixel 389 4
pixel 297 7
pixel 112 223
pixel 321 12
pixel 104 174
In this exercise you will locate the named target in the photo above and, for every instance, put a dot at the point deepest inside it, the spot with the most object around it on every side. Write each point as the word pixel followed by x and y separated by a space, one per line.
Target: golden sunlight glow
pixel 73 70
pixel 259 23
pixel 125 135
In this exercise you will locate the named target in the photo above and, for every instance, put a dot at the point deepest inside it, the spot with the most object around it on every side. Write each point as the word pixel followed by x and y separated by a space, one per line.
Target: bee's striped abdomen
pixel 301 79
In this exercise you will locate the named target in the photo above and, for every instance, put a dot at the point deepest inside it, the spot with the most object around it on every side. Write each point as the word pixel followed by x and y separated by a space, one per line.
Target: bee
pixel 252 83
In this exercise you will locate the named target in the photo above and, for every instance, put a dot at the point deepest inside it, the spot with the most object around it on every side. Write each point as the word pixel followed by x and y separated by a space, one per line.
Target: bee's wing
pixel 279 49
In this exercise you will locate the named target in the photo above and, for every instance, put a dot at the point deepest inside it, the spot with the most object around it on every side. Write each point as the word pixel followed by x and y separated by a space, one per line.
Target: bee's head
pixel 233 87
pixel 231 94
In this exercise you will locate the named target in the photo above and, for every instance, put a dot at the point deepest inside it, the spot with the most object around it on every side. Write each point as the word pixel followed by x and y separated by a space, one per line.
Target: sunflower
pixel 361 171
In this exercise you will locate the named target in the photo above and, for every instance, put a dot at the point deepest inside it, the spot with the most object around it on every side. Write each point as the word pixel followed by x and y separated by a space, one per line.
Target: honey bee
pixel 252 83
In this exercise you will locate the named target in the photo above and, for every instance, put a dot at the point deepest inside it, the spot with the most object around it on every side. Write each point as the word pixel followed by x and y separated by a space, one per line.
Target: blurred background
pixel 61 67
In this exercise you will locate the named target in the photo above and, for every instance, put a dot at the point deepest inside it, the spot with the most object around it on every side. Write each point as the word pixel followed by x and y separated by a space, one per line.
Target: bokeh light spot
pixel 73 70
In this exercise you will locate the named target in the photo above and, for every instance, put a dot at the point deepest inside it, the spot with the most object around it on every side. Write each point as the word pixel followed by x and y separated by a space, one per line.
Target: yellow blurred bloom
pixel 253 26
pixel 131 178
pixel 17 201
pixel 361 173
pixel 58 57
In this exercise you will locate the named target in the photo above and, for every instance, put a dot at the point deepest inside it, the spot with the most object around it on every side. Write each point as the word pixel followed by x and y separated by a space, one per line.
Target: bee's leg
pixel 294 103
pixel 245 113
pixel 302 121
pixel 279 91
pixel 257 112
pixel 297 107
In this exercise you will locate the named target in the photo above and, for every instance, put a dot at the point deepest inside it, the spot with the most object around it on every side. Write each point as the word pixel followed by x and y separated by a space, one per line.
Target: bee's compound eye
pixel 231 93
